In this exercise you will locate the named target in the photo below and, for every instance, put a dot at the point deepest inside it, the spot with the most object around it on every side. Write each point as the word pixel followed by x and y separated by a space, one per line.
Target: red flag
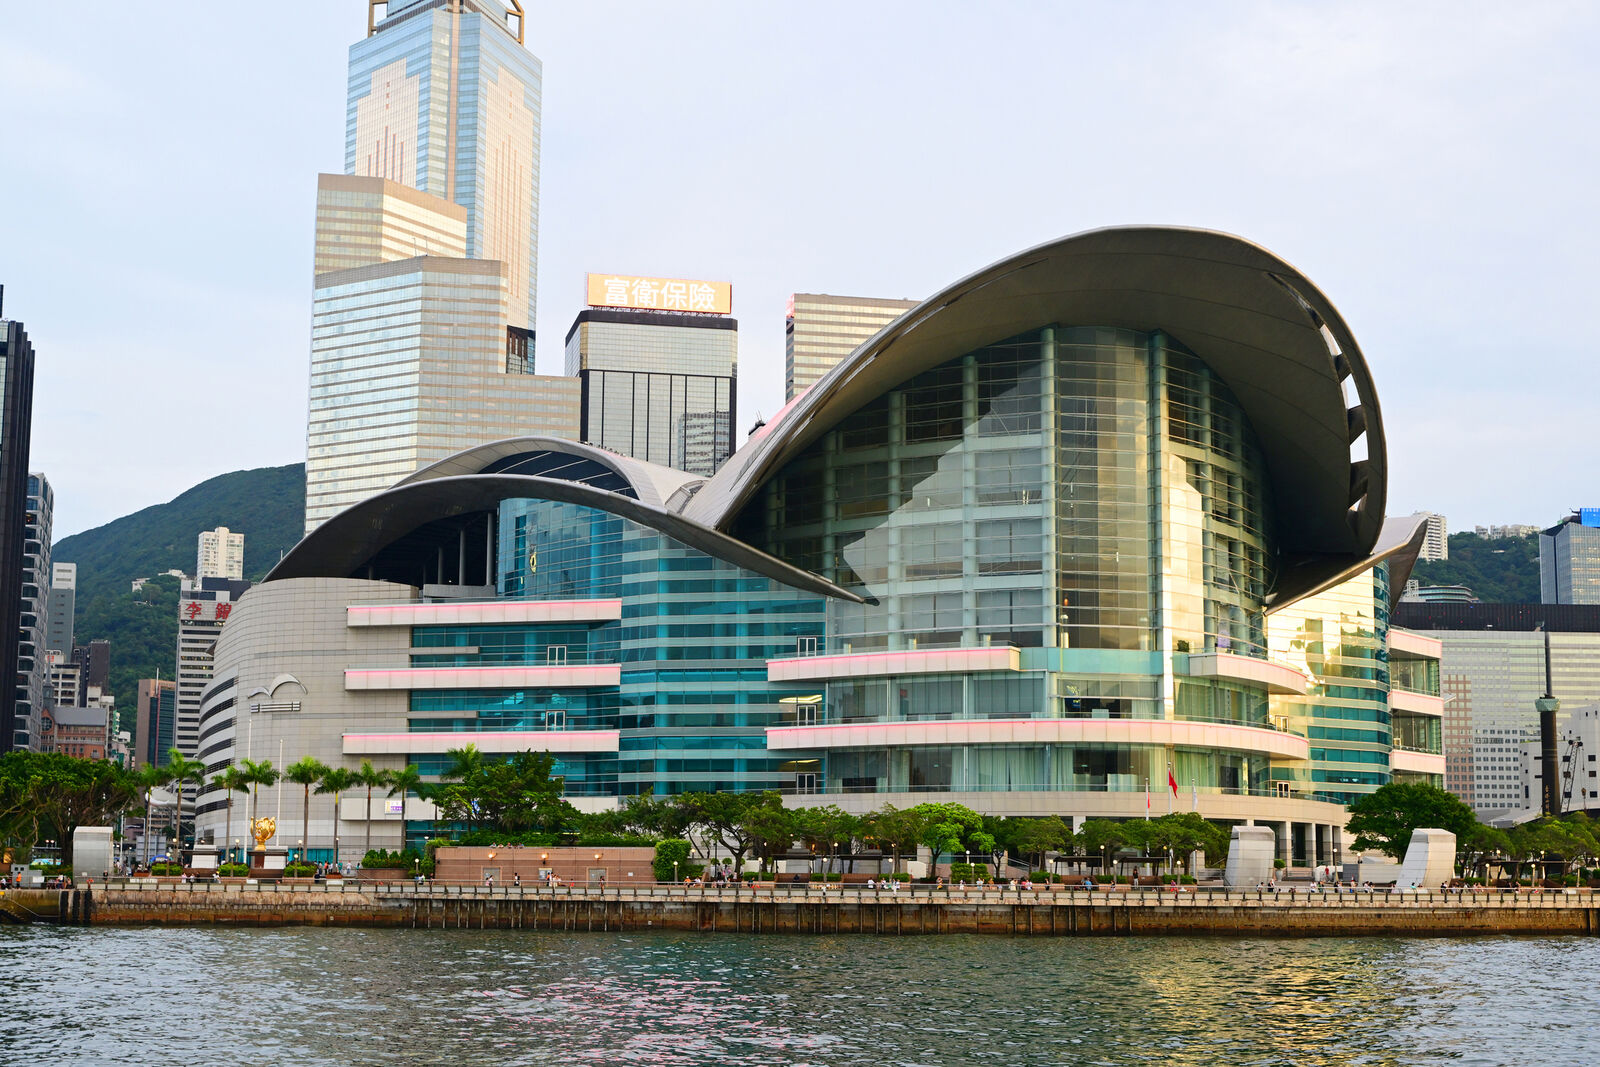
pixel 1172 782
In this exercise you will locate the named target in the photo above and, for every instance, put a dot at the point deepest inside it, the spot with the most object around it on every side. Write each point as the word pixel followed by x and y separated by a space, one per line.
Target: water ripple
pixel 339 996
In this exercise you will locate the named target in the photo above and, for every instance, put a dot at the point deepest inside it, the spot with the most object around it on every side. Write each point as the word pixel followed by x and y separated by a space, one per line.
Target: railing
pixel 1157 789
pixel 1426 750
pixel 1310 897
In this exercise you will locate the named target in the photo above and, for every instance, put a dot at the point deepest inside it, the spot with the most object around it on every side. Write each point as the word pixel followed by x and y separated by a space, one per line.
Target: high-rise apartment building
pixel 1437 543
pixel 66 679
pixel 156 728
pixel 1569 560
pixel 33 671
pixel 1516 529
pixel 96 660
pixel 422 337
pixel 58 628
pixel 821 330
pixel 16 428
pixel 204 605
pixel 219 554
pixel 658 360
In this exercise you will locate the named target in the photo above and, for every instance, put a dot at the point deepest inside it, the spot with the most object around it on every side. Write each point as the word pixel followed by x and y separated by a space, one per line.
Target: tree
pixel 1474 847
pixel 896 829
pixel 336 781
pixel 305 772
pixel 403 781
pixel 258 773
pixel 514 795
pixel 722 816
pixel 952 828
pixel 50 795
pixel 665 817
pixel 1035 837
pixel 1103 836
pixel 230 781
pixel 147 780
pixel 371 778
pixel 181 771
pixel 1385 818
pixel 825 829
pixel 771 829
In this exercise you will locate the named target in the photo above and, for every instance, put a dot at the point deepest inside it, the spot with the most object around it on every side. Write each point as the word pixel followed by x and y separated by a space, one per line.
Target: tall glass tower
pixel 445 98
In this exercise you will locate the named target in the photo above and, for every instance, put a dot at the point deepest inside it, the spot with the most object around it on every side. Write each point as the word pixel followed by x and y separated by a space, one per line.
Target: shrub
pixel 166 868
pixel 1042 876
pixel 901 877
pixel 496 838
pixel 383 859
pixel 968 872
pixel 233 870
pixel 673 850
pixel 299 870
pixel 1279 864
pixel 1187 879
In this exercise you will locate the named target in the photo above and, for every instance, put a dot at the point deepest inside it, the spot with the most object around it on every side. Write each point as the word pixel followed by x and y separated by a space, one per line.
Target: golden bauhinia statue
pixel 263 829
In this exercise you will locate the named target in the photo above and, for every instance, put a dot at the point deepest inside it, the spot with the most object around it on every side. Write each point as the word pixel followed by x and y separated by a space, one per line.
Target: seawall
pixel 1059 913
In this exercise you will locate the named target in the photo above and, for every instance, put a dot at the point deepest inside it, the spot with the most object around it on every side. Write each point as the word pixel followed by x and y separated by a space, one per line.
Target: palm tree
pixel 336 780
pixel 466 764
pixel 258 774
pixel 403 781
pixel 149 777
pixel 306 772
pixel 183 770
pixel 230 781
pixel 372 778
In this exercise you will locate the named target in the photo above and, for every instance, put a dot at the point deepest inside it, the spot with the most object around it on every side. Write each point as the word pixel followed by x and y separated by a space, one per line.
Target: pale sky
pixel 1431 167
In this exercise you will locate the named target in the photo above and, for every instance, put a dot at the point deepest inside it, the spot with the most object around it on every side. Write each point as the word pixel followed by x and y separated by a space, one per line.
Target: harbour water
pixel 303 995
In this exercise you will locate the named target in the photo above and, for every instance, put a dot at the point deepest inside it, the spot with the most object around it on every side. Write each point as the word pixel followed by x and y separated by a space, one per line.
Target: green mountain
pixel 267 505
pixel 1498 570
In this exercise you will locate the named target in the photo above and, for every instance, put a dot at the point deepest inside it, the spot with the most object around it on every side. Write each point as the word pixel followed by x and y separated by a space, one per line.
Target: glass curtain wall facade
pixel 444 98
pixel 1092 496
pixel 695 635
pixel 1339 640
pixel 657 386
pixel 820 330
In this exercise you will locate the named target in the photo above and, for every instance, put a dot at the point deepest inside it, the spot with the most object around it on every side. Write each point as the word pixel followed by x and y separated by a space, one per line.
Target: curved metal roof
pixel 1263 327
pixel 650 482
pixel 341 546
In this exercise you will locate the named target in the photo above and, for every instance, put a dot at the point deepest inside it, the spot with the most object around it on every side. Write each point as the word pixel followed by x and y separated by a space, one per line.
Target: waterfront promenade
pixel 812 909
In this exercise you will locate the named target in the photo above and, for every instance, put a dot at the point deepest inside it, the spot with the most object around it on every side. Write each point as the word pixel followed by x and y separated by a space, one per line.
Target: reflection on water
pixel 320 996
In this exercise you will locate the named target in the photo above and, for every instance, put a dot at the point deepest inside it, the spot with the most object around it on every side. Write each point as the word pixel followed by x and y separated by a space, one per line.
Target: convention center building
pixel 1097 531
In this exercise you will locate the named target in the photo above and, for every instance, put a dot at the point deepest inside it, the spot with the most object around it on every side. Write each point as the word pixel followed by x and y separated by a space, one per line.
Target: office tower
pixel 33 672
pixel 96 659
pixel 374 220
pixel 821 330
pixel 422 336
pixel 204 605
pixel 63 607
pixel 393 390
pixel 1437 544
pixel 658 360
pixel 16 426
pixel 1569 560
pixel 220 554
pixel 156 724
pixel 445 98
pixel 1491 671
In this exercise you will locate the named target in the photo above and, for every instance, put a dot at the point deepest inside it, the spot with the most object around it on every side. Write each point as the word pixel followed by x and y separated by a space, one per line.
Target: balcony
pixel 1273 677
pixel 467 613
pixel 1401 759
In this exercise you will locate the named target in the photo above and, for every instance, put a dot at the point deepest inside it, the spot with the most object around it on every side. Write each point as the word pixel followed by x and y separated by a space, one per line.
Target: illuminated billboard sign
pixel 660 294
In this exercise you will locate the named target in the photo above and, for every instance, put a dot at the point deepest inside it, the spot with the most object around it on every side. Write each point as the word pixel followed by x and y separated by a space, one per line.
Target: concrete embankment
pixel 799 911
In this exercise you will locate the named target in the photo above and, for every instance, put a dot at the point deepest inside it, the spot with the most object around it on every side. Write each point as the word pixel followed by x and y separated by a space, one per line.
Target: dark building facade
pixel 16 427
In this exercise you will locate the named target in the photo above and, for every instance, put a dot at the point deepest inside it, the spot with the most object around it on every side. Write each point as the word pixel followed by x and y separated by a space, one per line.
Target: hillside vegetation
pixel 1498 570
pixel 267 505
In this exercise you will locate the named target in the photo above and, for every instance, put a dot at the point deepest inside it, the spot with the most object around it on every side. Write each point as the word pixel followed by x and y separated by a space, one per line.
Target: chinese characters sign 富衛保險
pixel 660 294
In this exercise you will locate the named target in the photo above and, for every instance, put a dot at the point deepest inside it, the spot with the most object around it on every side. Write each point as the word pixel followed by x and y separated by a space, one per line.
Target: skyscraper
pixel 1569 560
pixel 422 337
pixel 16 428
pixel 59 629
pixel 204 605
pixel 445 98
pixel 219 554
pixel 157 714
pixel 33 671
pixel 821 330
pixel 659 379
